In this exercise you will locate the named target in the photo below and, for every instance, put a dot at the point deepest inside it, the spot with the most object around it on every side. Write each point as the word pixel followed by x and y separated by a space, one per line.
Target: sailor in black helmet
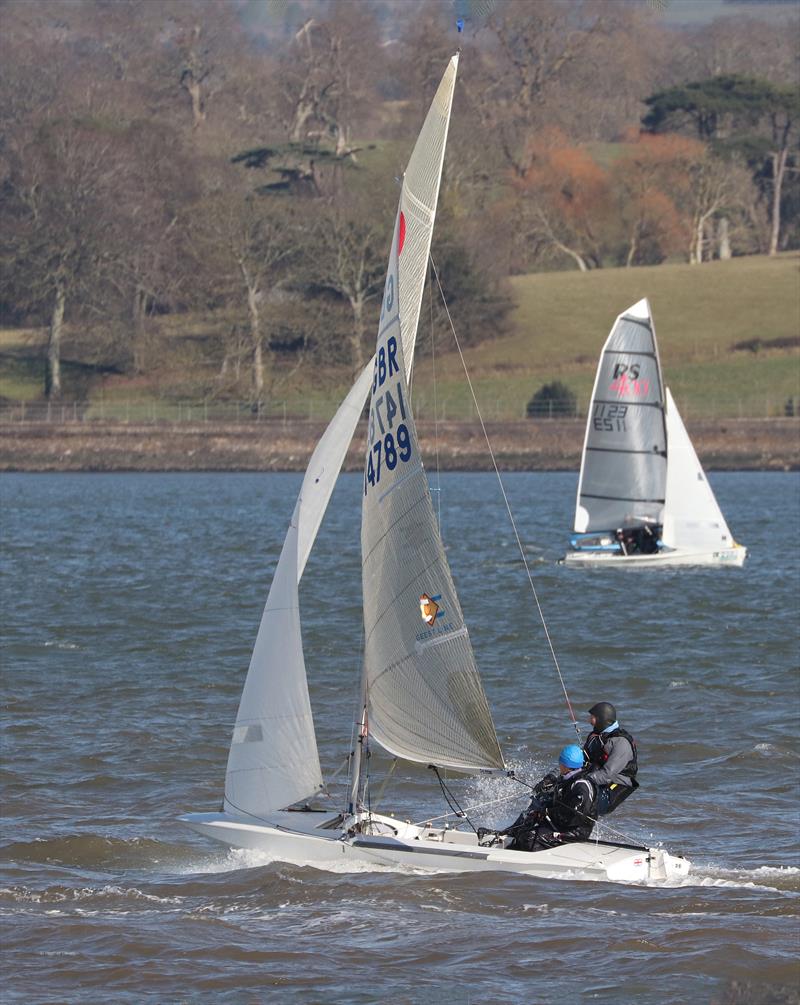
pixel 611 752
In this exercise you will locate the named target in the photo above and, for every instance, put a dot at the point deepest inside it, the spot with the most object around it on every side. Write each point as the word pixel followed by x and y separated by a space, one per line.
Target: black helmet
pixel 604 713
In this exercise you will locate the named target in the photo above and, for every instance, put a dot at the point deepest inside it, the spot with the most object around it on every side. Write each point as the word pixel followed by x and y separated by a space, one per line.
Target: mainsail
pixel 624 464
pixel 418 198
pixel 424 696
pixel 693 520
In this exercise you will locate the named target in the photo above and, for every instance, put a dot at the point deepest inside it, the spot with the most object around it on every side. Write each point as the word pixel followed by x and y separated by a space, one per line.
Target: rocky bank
pixel 273 445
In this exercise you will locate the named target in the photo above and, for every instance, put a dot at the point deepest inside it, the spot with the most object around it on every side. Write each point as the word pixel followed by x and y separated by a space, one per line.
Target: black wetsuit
pixel 559 812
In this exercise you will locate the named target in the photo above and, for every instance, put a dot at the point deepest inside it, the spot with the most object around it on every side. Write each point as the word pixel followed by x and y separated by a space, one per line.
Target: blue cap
pixel 571 757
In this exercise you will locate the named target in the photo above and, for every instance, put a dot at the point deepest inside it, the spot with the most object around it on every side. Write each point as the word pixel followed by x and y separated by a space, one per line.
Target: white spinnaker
pixel 624 463
pixel 418 199
pixel 424 695
pixel 693 520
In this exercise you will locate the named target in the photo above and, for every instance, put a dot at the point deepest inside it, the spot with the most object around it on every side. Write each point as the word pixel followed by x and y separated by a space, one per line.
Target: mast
pixel 358 753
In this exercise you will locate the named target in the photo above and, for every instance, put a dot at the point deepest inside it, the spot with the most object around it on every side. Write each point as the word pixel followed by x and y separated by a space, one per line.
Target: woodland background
pixel 197 197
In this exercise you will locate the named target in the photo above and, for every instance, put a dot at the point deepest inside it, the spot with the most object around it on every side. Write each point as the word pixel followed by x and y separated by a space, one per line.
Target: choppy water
pixel 130 605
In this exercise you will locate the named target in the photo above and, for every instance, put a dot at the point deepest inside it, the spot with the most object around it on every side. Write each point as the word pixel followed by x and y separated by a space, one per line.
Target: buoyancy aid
pixel 595 748
pixel 574 807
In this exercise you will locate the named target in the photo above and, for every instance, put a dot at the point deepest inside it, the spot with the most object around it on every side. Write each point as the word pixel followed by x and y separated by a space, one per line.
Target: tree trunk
pixel 723 236
pixel 698 233
pixel 52 380
pixel 255 338
pixel 778 171
pixel 303 111
pixel 193 87
pixel 634 247
pixel 139 314
pixel 579 259
pixel 357 335
pixel 258 372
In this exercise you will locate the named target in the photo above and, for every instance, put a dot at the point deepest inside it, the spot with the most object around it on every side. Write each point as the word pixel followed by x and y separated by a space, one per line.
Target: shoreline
pixel 274 445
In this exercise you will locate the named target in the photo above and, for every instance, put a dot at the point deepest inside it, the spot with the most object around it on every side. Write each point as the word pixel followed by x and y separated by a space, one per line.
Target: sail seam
pixel 630 404
pixel 401 516
pixel 395 319
pixel 420 205
pixel 591 495
pixel 620 450
pixel 399 482
pixel 637 321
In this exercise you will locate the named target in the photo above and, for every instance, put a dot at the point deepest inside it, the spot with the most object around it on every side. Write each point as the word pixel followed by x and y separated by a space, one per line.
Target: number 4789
pixel 385 453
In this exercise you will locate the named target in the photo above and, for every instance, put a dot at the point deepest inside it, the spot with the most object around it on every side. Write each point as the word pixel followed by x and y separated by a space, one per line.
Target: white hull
pixel 303 839
pixel 733 557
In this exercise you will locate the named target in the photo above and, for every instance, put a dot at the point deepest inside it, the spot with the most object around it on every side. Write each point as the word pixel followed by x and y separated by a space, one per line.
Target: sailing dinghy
pixel 643 497
pixel 421 695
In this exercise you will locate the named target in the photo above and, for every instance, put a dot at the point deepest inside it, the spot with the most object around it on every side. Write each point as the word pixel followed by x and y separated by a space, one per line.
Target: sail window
pixel 248 734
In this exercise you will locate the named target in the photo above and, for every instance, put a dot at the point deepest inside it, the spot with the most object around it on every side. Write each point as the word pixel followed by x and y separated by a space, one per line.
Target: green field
pixel 700 313
pixel 560 322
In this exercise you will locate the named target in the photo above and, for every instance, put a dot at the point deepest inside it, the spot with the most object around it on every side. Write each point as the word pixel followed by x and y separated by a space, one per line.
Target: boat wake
pixel 773 879
pixel 236 859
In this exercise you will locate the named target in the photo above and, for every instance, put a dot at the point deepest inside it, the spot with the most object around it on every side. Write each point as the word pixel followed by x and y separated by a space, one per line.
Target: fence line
pixel 285 412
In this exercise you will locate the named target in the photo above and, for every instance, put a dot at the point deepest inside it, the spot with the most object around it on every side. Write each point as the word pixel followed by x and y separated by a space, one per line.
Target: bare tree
pixel 66 228
pixel 535 46
pixel 327 76
pixel 244 244
pixel 350 263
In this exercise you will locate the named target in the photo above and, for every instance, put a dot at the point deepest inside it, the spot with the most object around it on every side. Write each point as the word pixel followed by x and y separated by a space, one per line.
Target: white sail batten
pixel 418 199
pixel 693 520
pixel 425 702
pixel 624 463
pixel 273 760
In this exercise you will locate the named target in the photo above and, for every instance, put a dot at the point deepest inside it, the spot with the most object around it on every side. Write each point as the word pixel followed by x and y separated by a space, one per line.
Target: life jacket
pixel 595 749
pixel 574 807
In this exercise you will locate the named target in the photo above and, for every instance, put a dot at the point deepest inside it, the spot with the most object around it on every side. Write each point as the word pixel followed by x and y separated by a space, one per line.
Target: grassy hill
pixel 701 313
pixel 561 319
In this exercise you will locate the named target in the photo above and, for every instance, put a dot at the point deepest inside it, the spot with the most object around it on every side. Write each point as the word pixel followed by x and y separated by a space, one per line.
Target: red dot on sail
pixel 401 234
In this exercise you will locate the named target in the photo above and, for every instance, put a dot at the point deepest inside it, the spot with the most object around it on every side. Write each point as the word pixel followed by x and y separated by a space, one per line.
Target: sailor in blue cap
pixel 563 807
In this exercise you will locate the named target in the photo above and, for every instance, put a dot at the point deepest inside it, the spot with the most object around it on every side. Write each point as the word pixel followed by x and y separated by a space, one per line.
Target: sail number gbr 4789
pixel 389 439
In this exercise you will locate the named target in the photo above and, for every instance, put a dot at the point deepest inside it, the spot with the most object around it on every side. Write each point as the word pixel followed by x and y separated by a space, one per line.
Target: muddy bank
pixel 276 446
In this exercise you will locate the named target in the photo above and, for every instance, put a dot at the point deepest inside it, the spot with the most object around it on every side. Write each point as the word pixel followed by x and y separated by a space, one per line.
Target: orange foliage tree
pixel 566 198
pixel 652 185
pixel 669 190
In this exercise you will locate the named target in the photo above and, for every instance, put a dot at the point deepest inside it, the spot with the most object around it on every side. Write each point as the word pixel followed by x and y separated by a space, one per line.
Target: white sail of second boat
pixel 624 464
pixel 643 497
pixel 693 520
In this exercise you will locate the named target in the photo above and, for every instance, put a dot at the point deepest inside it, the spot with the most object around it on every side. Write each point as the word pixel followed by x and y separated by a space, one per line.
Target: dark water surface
pixel 130 606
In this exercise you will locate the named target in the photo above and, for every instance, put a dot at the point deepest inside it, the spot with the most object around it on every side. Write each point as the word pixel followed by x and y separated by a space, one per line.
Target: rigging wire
pixel 468 810
pixel 384 783
pixel 507 503
pixel 450 799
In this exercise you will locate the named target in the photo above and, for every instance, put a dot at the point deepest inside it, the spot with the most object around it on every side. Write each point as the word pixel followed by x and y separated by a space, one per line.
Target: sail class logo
pixel 626 382
pixel 429 609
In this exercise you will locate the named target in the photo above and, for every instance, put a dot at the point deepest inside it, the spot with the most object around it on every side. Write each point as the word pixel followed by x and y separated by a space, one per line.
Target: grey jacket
pixel 620 753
